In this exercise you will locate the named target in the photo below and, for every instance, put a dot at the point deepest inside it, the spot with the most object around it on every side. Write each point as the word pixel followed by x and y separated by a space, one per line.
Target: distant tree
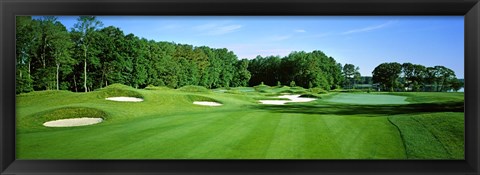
pixel 351 74
pixel 445 78
pixel 292 84
pixel 418 77
pixel 242 75
pixel 387 74
pixel 407 71
pixel 456 84
pixel 356 78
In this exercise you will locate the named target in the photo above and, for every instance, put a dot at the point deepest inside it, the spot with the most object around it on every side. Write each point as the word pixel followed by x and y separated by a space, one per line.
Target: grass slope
pixel 166 125
pixel 433 135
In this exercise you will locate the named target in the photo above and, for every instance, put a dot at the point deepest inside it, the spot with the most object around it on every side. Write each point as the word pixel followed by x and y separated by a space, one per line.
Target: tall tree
pixel 242 75
pixel 407 71
pixel 351 73
pixel 386 74
pixel 61 50
pixel 85 26
pixel 28 38
pixel 418 77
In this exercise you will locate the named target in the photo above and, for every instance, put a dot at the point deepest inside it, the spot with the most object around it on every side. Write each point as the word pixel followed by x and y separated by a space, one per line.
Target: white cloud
pixel 217 29
pixel 300 31
pixel 369 28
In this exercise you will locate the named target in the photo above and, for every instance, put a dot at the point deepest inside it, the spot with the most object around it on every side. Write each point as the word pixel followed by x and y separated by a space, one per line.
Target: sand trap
pixel 72 122
pixel 207 103
pixel 124 99
pixel 292 99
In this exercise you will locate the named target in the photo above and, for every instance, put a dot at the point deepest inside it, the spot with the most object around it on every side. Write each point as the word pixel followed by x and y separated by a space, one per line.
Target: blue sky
pixel 365 41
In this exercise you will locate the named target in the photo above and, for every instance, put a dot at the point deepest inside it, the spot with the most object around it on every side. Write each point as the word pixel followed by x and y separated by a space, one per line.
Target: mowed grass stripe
pixel 289 138
pixel 358 138
pixel 177 143
pixel 255 144
pixel 164 143
pixel 220 145
pixel 318 141
pixel 105 140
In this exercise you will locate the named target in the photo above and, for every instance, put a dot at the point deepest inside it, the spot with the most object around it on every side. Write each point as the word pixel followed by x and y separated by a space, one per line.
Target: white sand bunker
pixel 73 122
pixel 207 103
pixel 291 99
pixel 125 99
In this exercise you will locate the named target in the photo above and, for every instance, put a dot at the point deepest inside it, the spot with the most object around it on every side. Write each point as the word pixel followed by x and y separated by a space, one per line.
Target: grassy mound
pixel 234 91
pixel 433 135
pixel 151 87
pixel 317 91
pixel 37 120
pixel 45 93
pixel 193 98
pixel 194 89
pixel 118 90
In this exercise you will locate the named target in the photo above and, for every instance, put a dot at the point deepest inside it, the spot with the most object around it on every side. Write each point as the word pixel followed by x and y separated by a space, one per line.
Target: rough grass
pixel 168 126
pixel 433 135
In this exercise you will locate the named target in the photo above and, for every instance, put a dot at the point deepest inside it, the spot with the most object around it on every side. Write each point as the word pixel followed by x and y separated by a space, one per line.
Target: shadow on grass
pixel 351 109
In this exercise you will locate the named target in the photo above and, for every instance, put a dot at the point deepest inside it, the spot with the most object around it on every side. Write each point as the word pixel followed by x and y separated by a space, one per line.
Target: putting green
pixel 367 99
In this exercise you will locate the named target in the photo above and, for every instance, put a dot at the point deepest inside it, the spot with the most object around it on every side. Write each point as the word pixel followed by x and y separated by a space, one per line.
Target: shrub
pixel 292 84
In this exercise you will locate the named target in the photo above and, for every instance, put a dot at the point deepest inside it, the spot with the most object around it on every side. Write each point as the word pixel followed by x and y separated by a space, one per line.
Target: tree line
pixel 394 76
pixel 305 69
pixel 90 56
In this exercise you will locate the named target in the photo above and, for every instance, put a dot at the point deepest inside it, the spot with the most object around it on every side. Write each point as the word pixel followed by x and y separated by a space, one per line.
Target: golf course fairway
pixel 167 124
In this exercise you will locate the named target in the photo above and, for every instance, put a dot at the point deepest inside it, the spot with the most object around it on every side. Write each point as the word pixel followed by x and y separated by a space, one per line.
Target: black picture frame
pixel 470 9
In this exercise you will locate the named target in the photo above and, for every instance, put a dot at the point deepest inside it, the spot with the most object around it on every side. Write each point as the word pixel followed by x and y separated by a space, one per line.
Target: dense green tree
pixel 351 74
pixel 61 51
pixel 85 27
pixel 312 69
pixel 418 77
pixel 110 41
pixel 386 74
pixel 28 38
pixel 242 75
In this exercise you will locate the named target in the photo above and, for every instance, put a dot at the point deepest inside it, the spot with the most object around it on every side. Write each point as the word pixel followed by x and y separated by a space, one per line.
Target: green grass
pixel 166 125
pixel 440 135
pixel 367 98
